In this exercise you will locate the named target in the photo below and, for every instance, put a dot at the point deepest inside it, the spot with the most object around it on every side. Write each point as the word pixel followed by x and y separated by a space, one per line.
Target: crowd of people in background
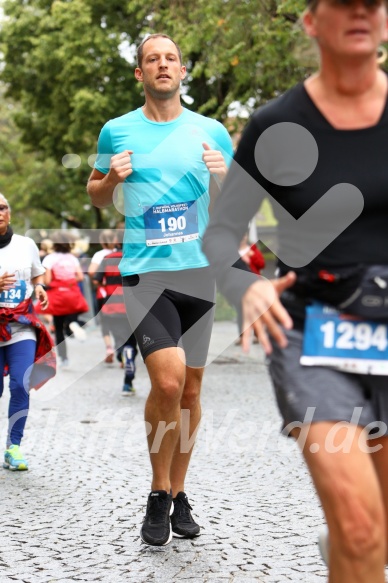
pixel 89 284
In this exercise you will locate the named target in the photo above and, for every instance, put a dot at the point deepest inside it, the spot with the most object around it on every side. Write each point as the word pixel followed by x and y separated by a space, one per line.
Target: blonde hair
pixel 106 237
pixel 47 245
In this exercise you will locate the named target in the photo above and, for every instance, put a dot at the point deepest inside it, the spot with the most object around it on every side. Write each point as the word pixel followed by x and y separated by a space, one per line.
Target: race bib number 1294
pixel 343 342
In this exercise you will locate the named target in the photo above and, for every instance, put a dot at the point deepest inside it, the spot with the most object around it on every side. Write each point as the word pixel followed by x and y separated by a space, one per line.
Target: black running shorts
pixel 168 309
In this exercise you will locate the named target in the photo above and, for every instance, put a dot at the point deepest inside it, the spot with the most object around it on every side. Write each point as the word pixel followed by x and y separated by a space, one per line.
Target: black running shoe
pixel 183 524
pixel 156 529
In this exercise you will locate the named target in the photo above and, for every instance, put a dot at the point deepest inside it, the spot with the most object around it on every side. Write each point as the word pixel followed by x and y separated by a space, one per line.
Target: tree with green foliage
pixel 68 65
pixel 237 51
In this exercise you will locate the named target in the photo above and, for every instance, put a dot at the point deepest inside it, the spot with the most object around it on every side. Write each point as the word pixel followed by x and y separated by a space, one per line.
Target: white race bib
pixel 168 224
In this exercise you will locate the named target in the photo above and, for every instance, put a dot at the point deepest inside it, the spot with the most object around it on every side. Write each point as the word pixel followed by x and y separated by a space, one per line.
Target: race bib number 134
pixel 10 298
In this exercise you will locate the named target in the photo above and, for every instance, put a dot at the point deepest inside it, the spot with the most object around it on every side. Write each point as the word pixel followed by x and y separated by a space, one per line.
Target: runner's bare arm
pixel 217 167
pixel 101 186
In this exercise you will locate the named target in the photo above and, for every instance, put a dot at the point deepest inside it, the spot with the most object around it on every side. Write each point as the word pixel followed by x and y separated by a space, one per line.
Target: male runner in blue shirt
pixel 168 162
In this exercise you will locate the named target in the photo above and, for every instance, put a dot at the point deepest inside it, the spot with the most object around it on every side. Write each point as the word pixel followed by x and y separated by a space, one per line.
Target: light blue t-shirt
pixel 166 198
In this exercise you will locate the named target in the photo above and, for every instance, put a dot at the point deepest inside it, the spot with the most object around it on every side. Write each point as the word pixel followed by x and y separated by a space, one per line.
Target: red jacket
pixel 45 358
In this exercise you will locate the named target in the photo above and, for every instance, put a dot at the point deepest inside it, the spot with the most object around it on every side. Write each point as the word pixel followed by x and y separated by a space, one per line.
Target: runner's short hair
pixel 139 52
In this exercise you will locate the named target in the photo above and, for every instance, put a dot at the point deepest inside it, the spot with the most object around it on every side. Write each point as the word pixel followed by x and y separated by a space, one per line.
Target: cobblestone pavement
pixel 76 514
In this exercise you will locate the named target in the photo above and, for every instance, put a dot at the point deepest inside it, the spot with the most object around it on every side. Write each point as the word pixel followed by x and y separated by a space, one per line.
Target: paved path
pixel 76 514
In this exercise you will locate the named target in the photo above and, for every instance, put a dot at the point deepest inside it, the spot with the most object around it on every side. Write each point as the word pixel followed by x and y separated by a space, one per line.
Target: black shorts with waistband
pixel 170 309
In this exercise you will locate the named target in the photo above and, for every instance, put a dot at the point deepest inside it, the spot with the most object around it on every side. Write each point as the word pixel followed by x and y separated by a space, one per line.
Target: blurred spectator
pixel 63 272
pixel 107 242
pixel 45 247
pixel 114 317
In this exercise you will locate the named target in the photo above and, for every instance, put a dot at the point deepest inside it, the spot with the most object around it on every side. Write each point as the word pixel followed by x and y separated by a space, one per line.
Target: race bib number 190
pixel 340 341
pixel 168 224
